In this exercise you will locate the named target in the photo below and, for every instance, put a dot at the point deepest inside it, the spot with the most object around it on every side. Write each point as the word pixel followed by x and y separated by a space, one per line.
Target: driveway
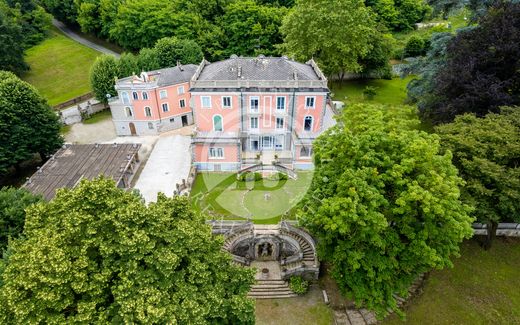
pixel 168 164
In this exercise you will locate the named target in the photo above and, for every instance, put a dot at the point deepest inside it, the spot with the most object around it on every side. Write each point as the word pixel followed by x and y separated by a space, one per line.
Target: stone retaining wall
pixel 504 229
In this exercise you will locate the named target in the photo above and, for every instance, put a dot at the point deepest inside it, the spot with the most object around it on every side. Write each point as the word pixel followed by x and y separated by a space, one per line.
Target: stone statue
pixel 265 250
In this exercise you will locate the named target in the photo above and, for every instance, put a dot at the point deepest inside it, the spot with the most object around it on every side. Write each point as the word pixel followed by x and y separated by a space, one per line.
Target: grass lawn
pixel 392 92
pixel 98 117
pixel 265 201
pixel 482 288
pixel 306 309
pixel 60 67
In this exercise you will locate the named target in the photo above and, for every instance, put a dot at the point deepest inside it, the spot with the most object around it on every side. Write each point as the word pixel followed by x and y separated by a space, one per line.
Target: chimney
pixel 240 72
pixel 179 65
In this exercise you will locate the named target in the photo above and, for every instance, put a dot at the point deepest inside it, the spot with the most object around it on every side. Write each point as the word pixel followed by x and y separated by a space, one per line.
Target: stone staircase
pixel 271 289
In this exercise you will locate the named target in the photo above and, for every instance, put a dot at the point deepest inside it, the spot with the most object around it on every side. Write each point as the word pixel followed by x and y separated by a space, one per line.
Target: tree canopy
pixel 98 254
pixel 338 34
pixel 482 70
pixel 103 74
pixel 399 15
pixel 28 125
pixel 171 50
pixel 13 203
pixel 487 153
pixel 384 203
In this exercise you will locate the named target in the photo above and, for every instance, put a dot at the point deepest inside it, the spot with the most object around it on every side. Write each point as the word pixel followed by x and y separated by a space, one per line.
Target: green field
pixel 265 201
pixel 482 288
pixel 60 67
pixel 392 92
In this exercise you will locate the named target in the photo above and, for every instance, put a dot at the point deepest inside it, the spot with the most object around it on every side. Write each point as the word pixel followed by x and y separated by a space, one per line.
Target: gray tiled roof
pixel 175 75
pixel 260 68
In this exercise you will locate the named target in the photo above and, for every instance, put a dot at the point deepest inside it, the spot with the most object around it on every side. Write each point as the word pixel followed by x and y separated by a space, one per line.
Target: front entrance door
pixel 132 129
pixel 184 119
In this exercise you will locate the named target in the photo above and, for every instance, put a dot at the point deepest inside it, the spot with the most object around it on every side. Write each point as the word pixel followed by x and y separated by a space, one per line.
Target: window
pixel 163 94
pixel 307 123
pixel 135 95
pixel 182 103
pixel 145 95
pixel 180 90
pixel 128 111
pixel 253 104
pixel 216 152
pixel 280 103
pixel 165 107
pixel 226 101
pixel 125 98
pixel 254 123
pixel 150 125
pixel 305 152
pixel 205 101
pixel 310 102
pixel 279 122
pixel 147 111
pixel 172 120
pixel 217 123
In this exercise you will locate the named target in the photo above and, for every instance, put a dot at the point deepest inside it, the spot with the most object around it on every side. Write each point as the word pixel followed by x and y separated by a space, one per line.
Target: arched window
pixel 125 98
pixel 147 111
pixel 307 123
pixel 145 95
pixel 217 123
pixel 135 95
pixel 129 112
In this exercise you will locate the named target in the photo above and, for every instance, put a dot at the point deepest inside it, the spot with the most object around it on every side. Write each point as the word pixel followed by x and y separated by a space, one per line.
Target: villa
pixel 247 111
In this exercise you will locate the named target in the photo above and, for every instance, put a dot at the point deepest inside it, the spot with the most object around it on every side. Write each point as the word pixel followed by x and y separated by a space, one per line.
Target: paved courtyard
pixel 168 164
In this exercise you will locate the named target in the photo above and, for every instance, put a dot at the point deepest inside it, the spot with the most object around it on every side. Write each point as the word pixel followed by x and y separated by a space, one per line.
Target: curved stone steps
pixel 271 289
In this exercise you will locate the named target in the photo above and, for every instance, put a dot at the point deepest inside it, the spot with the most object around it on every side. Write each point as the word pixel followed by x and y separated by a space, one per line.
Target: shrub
pixel 298 285
pixel 249 176
pixel 369 92
pixel 258 177
pixel 415 46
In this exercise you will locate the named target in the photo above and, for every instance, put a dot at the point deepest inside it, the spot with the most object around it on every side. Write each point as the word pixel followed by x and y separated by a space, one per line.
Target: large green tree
pixel 487 153
pixel 28 125
pixel 103 74
pixel 399 14
pixel 13 203
pixel 11 38
pixel 169 50
pixel 98 254
pixel 250 29
pixel 384 203
pixel 337 33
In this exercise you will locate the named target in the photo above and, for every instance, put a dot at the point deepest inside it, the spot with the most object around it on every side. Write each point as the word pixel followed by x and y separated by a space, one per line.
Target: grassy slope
pixel 391 92
pixel 60 68
pixel 482 288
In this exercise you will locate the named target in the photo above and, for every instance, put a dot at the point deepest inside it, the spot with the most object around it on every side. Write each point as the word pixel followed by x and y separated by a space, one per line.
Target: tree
pixel 103 75
pixel 11 38
pixel 98 254
pixel 148 60
pixel 27 123
pixel 415 46
pixel 383 203
pixel 128 64
pixel 171 50
pixel 251 29
pixel 140 23
pixel 63 10
pixel 421 89
pixel 13 203
pixel 487 153
pixel 482 70
pixel 399 15
pixel 336 33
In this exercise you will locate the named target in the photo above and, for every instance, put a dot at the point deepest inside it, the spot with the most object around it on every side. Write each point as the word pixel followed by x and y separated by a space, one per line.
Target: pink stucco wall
pixel 204 116
pixel 302 111
pixel 155 102
pixel 201 152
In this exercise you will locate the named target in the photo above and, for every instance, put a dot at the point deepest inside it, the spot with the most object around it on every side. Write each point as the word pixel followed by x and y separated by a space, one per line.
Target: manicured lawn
pixel 306 309
pixel 60 68
pixel 392 92
pixel 100 116
pixel 482 288
pixel 265 201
